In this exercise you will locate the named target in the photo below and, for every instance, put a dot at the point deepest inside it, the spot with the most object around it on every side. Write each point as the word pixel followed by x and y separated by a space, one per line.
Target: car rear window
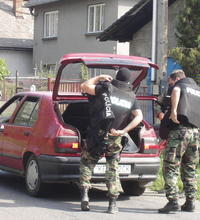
pixel 74 73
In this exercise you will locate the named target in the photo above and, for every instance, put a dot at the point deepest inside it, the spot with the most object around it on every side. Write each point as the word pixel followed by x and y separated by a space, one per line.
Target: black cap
pixel 123 75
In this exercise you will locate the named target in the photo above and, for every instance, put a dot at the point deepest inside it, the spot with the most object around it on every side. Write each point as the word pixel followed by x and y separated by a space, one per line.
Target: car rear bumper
pixel 65 169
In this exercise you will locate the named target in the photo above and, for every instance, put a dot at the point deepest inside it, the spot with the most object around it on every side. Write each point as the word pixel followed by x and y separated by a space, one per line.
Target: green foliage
pixel 46 72
pixel 7 88
pixel 188 38
pixel 188 25
pixel 3 69
pixel 189 59
pixel 198 183
pixel 84 72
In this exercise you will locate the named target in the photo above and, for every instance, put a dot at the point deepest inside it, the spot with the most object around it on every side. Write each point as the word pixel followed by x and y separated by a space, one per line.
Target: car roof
pixel 38 93
pixel 69 95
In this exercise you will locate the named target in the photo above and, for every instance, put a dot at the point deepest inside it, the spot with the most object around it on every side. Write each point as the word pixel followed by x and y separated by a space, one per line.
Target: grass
pixel 158 184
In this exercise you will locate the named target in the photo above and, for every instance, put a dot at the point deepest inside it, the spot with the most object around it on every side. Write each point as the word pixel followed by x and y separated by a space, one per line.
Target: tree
pixel 3 69
pixel 188 37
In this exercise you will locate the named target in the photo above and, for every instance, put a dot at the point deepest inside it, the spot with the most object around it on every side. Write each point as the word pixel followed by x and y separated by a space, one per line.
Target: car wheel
pixel 132 188
pixel 32 177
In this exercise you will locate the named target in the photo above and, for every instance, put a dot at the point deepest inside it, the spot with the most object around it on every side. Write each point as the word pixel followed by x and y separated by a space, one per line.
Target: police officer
pixel 163 99
pixel 183 143
pixel 162 111
pixel 112 102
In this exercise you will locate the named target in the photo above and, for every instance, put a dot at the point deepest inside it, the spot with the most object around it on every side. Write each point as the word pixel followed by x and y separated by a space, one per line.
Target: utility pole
pixel 162 40
pixel 154 38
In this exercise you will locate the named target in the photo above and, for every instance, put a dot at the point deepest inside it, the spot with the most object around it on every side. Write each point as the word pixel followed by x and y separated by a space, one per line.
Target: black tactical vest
pixel 166 122
pixel 188 107
pixel 166 105
pixel 100 111
pixel 122 99
pixel 110 109
pixel 115 102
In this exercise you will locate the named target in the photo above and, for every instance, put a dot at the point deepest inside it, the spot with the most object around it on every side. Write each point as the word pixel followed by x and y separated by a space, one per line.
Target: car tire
pixel 132 188
pixel 34 185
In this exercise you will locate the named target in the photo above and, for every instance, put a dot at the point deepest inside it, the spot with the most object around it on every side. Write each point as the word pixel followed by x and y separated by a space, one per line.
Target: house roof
pixel 124 28
pixel 33 3
pixel 15 32
pixel 15 44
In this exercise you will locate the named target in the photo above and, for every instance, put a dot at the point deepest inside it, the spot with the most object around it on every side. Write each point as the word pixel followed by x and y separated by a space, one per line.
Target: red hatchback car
pixel 41 133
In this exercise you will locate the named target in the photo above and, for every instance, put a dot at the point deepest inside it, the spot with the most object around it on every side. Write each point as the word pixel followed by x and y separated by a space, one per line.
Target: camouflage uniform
pixel 181 153
pixel 88 162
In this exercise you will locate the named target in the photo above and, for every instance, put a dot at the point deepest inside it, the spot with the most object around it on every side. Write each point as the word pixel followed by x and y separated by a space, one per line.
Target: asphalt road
pixel 62 203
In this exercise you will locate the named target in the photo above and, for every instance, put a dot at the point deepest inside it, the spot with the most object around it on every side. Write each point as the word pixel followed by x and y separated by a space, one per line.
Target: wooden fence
pixel 69 86
pixel 74 86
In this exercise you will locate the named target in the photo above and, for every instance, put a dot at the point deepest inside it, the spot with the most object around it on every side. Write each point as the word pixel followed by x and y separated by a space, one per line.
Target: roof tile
pixel 15 32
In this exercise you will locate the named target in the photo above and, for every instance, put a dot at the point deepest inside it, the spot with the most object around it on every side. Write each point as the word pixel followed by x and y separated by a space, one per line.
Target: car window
pixel 8 109
pixel 34 115
pixel 28 112
pixel 73 72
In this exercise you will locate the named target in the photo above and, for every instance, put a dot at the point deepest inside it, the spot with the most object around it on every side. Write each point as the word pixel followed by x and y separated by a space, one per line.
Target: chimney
pixel 17 8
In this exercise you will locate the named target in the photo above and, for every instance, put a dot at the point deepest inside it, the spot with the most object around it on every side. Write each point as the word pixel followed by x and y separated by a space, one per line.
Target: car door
pixel 17 133
pixel 6 113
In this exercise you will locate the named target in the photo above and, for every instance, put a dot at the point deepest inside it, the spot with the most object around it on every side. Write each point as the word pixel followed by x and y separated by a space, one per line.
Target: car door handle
pixel 27 133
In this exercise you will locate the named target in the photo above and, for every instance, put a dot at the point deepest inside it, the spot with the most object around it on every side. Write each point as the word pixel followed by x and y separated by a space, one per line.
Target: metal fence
pixel 9 86
pixel 74 86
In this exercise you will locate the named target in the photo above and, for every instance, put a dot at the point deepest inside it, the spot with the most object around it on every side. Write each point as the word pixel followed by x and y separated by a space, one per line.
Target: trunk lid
pixel 78 64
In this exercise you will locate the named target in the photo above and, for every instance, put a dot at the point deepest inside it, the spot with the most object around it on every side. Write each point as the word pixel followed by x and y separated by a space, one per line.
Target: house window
pixel 51 24
pixel 96 18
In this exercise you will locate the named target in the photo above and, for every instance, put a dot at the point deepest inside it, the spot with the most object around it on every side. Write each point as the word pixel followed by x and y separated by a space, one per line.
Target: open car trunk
pixel 76 114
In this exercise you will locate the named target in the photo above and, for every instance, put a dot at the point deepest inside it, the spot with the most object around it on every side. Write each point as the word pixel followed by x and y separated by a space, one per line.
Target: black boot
pixel 84 199
pixel 112 208
pixel 188 206
pixel 171 206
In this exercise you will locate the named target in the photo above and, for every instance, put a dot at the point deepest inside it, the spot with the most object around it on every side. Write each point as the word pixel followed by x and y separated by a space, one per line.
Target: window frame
pixel 101 18
pixel 52 24
pixel 5 109
pixel 21 111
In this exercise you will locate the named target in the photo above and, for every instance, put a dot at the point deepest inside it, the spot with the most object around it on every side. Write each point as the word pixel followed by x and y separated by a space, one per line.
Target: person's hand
pixel 105 77
pixel 160 115
pixel 114 132
pixel 173 117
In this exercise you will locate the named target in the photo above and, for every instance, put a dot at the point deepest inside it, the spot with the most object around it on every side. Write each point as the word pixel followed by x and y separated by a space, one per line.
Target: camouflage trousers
pixel 112 155
pixel 181 155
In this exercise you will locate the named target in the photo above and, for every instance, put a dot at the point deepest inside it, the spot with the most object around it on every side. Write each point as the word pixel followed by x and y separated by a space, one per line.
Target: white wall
pixel 123 7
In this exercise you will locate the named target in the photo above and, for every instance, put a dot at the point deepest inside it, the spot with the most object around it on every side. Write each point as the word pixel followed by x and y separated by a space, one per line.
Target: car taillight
pixel 67 144
pixel 149 145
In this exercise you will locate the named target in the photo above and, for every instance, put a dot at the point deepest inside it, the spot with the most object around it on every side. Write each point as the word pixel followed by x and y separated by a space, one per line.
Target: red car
pixel 41 133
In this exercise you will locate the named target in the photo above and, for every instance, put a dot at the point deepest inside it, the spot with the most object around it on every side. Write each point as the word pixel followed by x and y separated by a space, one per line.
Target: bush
pixel 3 69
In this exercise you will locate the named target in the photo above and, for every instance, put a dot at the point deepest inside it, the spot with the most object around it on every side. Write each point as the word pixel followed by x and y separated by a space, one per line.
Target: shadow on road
pixel 66 197
pixel 57 196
